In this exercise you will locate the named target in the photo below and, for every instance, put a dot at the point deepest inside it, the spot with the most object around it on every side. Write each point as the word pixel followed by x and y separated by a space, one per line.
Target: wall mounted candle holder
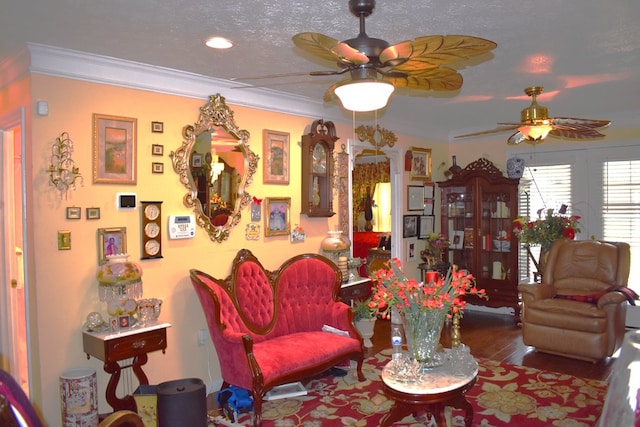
pixel 63 173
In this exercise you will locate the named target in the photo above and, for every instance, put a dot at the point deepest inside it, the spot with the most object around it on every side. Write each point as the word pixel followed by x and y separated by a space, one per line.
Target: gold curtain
pixel 367 175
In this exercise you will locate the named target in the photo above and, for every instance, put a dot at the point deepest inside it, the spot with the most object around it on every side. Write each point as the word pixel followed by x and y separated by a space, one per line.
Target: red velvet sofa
pixel 267 326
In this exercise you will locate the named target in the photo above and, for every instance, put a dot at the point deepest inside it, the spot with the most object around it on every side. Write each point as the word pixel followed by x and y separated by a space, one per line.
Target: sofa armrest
pixel 536 291
pixel 341 317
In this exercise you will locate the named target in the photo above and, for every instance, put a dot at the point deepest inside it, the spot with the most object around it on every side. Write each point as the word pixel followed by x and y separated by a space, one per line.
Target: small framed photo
pixel 456 237
pixel 415 198
pixel 277 216
pixel 410 226
pixel 111 241
pixel 425 226
pixel 421 164
pixel 429 188
pixel 114 149
pixel 124 322
pixel 411 250
pixel 196 160
pixel 93 213
pixel 157 150
pixel 157 167
pixel 64 240
pixel 276 157
pixel 74 213
pixel 157 127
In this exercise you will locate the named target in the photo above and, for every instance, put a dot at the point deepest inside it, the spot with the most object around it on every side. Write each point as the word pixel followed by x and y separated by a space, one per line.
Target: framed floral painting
pixel 421 164
pixel 114 149
pixel 276 157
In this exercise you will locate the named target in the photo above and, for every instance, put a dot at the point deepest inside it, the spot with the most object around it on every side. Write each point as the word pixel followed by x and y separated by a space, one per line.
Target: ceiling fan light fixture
pixel 367 95
pixel 535 132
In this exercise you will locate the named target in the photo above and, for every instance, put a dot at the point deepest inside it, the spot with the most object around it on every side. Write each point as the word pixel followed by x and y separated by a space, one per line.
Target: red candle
pixel 432 276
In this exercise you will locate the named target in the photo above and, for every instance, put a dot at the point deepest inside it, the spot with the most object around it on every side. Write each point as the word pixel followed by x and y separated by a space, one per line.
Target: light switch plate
pixel 42 108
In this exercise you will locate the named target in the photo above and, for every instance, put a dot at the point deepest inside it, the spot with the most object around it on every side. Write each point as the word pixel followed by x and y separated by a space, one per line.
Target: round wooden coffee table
pixel 435 390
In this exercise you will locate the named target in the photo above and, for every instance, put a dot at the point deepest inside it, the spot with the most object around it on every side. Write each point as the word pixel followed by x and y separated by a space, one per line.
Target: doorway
pixel 14 294
pixel 356 149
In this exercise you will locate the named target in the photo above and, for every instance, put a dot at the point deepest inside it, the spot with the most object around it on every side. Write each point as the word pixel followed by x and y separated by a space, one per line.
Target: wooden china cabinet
pixel 478 206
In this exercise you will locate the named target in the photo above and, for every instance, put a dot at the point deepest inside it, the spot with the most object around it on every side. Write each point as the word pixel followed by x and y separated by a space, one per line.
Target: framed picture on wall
pixel 410 226
pixel 277 216
pixel 276 157
pixel 421 163
pixel 111 241
pixel 425 226
pixel 415 198
pixel 114 149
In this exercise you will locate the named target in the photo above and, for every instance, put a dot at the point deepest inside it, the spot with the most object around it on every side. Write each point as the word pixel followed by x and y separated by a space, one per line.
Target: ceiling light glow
pixel 219 43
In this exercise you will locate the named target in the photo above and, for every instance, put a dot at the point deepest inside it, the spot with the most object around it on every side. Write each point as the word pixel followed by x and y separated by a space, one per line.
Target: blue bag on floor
pixel 234 400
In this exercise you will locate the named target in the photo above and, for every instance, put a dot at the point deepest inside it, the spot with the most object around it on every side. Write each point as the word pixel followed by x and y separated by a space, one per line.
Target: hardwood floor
pixel 496 337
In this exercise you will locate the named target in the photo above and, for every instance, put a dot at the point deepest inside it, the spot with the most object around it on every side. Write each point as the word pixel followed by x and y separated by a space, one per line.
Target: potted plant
pixel 364 316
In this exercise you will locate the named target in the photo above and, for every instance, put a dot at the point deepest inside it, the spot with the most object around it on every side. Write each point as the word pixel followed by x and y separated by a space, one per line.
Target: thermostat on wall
pixel 182 226
pixel 125 200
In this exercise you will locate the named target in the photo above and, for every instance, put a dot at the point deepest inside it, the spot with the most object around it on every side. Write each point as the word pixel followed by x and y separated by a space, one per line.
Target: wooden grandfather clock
pixel 317 169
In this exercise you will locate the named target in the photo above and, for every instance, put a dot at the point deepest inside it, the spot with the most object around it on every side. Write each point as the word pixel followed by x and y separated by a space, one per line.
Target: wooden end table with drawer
pixel 112 348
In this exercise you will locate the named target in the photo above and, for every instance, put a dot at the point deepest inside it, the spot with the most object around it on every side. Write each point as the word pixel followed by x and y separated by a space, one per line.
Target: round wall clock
pixel 151 230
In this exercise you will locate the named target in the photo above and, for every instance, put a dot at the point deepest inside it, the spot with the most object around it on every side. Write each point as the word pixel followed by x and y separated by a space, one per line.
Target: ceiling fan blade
pixel 517 138
pixel 329 48
pixel 425 53
pixel 489 131
pixel 277 76
pixel 440 79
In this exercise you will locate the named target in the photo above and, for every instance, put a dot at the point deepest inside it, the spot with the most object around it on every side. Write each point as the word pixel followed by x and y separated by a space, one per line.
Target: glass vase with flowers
pixel 544 231
pixel 423 306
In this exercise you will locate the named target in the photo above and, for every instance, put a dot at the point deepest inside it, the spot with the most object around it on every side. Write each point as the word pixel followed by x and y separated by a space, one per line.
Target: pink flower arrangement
pixel 394 289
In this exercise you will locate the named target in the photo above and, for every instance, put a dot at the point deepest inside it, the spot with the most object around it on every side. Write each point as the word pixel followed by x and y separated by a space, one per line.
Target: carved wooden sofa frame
pixel 266 326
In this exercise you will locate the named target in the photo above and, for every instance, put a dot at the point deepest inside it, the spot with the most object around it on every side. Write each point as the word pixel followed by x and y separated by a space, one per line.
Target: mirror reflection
pixel 216 165
pixel 371 183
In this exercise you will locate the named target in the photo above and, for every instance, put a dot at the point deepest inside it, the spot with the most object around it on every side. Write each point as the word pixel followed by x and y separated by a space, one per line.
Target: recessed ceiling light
pixel 219 43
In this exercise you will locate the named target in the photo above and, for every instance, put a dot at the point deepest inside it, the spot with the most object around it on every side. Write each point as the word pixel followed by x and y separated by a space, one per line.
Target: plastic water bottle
pixel 396 334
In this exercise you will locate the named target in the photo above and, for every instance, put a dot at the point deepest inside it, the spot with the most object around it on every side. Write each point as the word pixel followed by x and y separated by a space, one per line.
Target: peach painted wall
pixel 66 289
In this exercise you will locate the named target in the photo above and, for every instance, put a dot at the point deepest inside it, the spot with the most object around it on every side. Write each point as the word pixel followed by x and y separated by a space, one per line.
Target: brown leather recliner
pixel 576 311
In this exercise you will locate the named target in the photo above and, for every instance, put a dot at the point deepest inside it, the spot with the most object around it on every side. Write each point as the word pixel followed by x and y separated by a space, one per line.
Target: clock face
pixel 319 160
pixel 152 229
pixel 152 247
pixel 151 212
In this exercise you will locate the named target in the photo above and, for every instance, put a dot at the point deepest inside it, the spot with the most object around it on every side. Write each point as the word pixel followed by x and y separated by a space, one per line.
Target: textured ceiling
pixel 586 53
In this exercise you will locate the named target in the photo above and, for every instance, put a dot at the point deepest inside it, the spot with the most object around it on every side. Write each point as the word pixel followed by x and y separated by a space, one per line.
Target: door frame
pixel 9 122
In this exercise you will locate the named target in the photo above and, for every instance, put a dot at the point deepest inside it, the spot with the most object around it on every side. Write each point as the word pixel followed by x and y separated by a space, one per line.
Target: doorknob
pixel 14 283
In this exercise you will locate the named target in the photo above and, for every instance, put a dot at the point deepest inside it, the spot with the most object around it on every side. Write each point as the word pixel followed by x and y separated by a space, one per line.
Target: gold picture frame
pixel 277 221
pixel 64 240
pixel 114 149
pixel 111 241
pixel 275 149
pixel 420 164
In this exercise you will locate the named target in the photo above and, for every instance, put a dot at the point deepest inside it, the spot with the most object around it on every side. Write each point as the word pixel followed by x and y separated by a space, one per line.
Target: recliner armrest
pixel 611 297
pixel 536 291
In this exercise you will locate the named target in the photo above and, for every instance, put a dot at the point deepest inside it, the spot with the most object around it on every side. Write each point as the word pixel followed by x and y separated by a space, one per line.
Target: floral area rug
pixel 503 395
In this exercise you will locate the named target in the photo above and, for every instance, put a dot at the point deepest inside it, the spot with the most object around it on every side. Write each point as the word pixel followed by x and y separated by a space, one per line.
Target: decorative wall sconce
pixel 63 172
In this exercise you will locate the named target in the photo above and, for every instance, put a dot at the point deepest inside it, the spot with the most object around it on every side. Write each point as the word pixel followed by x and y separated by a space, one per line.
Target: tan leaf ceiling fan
pixel 376 68
pixel 535 124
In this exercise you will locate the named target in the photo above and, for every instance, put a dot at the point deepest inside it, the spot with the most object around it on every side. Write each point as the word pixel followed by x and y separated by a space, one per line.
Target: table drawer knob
pixel 138 344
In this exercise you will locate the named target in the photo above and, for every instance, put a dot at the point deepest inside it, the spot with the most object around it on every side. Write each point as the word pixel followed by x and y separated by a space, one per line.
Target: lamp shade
pixel 367 95
pixel 535 132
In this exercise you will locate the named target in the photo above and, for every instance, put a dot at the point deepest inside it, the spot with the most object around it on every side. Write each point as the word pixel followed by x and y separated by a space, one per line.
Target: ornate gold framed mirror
pixel 216 166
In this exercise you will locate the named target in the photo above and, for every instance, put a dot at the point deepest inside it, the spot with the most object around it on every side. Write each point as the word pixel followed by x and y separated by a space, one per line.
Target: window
pixel 600 182
pixel 541 188
pixel 621 208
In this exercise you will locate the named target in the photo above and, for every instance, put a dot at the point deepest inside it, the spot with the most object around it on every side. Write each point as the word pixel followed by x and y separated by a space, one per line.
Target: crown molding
pixel 65 63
